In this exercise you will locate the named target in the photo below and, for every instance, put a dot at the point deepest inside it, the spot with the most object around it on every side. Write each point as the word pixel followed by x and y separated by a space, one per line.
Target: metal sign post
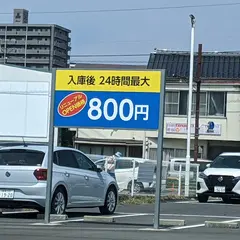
pixel 50 153
pixel 159 154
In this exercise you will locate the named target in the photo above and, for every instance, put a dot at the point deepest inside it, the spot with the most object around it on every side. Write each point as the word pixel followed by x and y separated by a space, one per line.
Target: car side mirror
pixel 99 169
pixel 208 165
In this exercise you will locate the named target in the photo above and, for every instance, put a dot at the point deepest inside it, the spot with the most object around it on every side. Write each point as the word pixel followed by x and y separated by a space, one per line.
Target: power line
pixel 133 9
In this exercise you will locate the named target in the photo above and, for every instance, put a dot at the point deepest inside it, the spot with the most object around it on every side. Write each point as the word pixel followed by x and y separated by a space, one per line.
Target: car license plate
pixel 219 189
pixel 6 194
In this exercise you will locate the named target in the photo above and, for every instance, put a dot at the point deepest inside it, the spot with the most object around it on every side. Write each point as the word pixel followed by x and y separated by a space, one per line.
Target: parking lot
pixel 137 220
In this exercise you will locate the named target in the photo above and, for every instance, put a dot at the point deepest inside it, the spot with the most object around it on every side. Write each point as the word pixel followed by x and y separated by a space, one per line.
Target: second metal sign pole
pixel 159 153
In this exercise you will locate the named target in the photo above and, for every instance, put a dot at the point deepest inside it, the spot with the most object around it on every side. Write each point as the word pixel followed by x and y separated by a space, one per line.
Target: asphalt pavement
pixel 133 222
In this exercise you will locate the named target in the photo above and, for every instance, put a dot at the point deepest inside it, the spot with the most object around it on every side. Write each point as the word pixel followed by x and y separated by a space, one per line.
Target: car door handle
pixel 66 174
pixel 86 177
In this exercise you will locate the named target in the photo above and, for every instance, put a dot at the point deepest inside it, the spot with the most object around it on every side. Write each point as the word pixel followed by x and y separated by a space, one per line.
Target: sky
pixel 135 32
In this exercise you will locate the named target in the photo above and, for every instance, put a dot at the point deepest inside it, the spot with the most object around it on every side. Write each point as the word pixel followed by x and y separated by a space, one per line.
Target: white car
pixel 176 162
pixel 77 182
pixel 124 173
pixel 221 178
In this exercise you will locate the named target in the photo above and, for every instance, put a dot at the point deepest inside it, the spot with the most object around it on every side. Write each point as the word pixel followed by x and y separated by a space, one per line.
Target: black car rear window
pixel 21 157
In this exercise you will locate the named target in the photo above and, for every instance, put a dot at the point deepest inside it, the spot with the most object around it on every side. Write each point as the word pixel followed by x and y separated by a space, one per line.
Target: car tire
pixel 59 202
pixel 226 199
pixel 110 203
pixel 202 198
pixel 138 187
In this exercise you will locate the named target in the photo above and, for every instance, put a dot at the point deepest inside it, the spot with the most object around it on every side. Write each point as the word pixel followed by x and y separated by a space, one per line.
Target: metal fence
pixel 142 173
pixel 173 179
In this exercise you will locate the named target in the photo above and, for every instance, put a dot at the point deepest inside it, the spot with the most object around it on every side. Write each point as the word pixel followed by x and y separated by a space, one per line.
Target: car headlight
pixel 202 175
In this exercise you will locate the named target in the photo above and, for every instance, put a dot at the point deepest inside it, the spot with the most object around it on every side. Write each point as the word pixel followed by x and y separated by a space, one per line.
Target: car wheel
pixel 138 187
pixel 58 202
pixel 226 199
pixel 202 198
pixel 110 202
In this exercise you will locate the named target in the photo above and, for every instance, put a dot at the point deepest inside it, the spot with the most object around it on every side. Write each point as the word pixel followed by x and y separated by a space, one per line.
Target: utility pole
pixel 198 94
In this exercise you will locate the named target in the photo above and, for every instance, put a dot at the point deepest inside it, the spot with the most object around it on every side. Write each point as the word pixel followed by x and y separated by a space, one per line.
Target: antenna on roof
pixel 24 143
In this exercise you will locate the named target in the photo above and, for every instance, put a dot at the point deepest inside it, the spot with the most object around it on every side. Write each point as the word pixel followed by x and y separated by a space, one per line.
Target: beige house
pixel 220 105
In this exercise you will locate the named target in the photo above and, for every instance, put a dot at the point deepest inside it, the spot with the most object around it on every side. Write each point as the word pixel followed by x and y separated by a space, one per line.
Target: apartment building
pixel 39 46
pixel 219 104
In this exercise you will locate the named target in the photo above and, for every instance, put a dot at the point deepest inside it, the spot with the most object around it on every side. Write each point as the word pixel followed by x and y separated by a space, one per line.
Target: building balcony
pixel 40 34
pixel 59 54
pixel 38 42
pixel 61 36
pixel 58 63
pixel 61 45
pixel 16 33
pixel 29 60
pixel 16 42
pixel 35 51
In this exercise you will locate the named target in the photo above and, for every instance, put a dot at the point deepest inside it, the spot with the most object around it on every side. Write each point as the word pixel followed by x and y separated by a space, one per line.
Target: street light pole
pixel 187 171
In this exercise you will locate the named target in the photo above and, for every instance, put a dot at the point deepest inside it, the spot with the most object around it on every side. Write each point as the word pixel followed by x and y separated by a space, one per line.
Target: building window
pixel 177 153
pixel 217 104
pixel 203 107
pixel 211 103
pixel 172 103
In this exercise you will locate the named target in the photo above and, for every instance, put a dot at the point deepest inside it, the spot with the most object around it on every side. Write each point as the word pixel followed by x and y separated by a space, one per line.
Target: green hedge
pixel 148 199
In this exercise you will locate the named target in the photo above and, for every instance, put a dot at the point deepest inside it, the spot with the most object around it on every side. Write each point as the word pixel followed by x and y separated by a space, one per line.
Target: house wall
pixel 227 128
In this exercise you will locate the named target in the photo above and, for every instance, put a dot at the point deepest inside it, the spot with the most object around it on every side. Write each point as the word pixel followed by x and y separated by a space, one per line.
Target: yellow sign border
pixel 148 81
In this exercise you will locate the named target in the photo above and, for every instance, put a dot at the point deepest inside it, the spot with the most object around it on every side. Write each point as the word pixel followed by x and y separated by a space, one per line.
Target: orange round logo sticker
pixel 72 104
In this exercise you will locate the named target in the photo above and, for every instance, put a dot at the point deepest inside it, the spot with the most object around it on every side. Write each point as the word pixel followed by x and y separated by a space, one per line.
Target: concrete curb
pixel 112 219
pixel 213 224
pixel 172 222
pixel 100 219
pixel 54 217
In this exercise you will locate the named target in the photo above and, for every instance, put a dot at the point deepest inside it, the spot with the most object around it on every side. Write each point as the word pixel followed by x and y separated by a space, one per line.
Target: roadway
pixel 134 222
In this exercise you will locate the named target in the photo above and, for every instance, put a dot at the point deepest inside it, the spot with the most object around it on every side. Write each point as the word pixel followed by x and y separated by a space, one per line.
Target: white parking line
pixel 124 213
pixel 232 221
pixel 200 216
pixel 189 226
pixel 196 202
pixel 131 215
pixel 82 219
pixel 154 230
pixel 59 222
pixel 44 224
pixel 19 212
pixel 70 220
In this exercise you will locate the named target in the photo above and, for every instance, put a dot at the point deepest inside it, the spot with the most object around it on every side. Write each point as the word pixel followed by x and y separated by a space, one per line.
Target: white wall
pixel 25 104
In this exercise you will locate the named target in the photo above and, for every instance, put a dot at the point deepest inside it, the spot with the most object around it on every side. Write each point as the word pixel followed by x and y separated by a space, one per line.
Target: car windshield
pixel 226 162
pixel 21 157
pixel 203 166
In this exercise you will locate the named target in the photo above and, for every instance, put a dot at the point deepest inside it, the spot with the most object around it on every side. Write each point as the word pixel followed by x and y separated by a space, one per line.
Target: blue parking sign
pixel 107 99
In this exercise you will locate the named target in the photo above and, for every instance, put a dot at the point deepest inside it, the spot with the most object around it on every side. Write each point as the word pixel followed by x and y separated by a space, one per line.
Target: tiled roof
pixel 107 66
pixel 214 65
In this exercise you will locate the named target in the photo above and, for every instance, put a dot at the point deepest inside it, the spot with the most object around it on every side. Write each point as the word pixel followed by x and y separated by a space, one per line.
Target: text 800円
pixel 97 110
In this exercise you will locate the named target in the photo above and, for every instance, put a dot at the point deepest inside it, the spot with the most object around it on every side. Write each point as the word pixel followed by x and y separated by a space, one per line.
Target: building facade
pixel 219 104
pixel 39 46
